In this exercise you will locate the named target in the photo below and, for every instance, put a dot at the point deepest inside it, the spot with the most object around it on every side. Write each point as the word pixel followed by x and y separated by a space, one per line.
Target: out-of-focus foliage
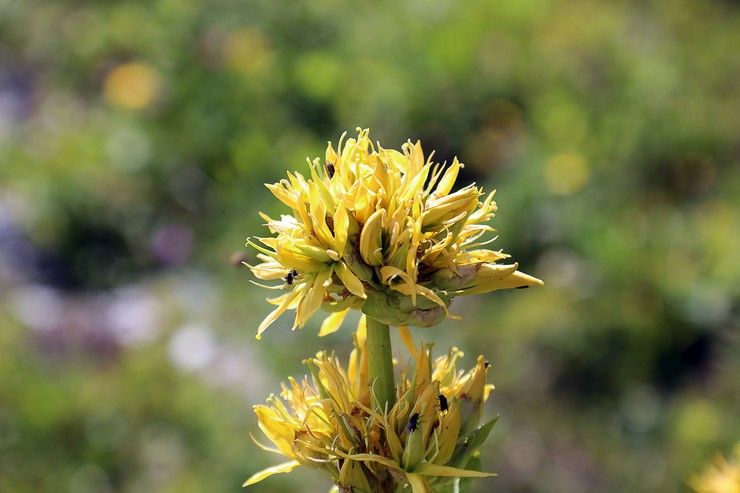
pixel 134 140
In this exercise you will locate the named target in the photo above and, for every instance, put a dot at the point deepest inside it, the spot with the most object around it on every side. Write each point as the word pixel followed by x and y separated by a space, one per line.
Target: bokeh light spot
pixel 318 74
pixel 246 50
pixel 566 173
pixel 132 86
pixel 192 348
pixel 698 422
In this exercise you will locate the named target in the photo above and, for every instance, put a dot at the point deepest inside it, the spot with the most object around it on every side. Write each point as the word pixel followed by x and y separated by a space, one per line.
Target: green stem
pixel 380 362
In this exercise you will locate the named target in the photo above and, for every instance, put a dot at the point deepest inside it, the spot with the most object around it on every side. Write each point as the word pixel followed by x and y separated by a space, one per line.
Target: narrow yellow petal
pixel 418 485
pixel 370 458
pixel 341 227
pixel 266 473
pixel 448 180
pixel 450 429
pixel 490 280
pixel 415 186
pixel 362 331
pixel 272 422
pixel 287 298
pixel 332 323
pixel 265 447
pixel 388 272
pixel 371 239
pixel 351 281
pixel 408 341
pixel 312 300
pixel 279 191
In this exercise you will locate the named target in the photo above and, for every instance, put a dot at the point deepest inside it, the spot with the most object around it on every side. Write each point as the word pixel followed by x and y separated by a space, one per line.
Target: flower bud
pixel 413 451
pixel 448 280
pixel 371 239
pixel 450 427
pixel 473 396
pixel 490 277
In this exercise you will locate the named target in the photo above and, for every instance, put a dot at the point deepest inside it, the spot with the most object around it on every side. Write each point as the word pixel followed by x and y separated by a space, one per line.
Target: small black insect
pixel 443 403
pixel 413 422
pixel 290 277
pixel 330 170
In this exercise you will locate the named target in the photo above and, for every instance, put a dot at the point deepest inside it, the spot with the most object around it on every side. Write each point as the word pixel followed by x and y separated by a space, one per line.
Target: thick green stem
pixel 380 362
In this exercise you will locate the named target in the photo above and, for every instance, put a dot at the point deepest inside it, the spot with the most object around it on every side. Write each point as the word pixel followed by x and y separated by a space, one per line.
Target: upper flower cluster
pixel 382 231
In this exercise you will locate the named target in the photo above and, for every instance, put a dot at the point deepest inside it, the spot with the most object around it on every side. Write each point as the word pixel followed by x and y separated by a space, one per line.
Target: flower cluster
pixel 721 476
pixel 333 422
pixel 381 231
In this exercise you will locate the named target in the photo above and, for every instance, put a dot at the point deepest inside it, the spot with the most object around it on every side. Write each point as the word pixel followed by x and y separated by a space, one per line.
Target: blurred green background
pixel 135 137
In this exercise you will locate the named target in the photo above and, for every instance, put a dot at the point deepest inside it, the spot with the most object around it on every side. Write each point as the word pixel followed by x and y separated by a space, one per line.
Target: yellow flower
pixel 333 422
pixel 382 231
pixel 722 476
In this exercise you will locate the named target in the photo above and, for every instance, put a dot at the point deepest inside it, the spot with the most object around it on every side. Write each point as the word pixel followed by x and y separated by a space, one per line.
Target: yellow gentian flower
pixel 333 422
pixel 382 231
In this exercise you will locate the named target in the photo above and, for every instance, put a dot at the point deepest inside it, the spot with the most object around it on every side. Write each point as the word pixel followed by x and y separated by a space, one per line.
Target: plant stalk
pixel 380 363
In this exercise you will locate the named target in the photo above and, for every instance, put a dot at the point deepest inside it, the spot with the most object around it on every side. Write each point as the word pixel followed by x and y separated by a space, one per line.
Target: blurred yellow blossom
pixel 721 476
pixel 132 85
pixel 566 173
pixel 247 50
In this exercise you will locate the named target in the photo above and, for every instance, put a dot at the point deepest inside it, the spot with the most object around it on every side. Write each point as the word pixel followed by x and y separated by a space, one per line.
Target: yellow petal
pixel 413 188
pixel 266 473
pixel 418 485
pixel 351 281
pixel 279 191
pixel 450 427
pixel 409 285
pixel 362 331
pixel 448 180
pixel 286 299
pixel 332 323
pixel 370 458
pixel 408 341
pixel 312 300
pixel 265 447
pixel 272 422
pixel 371 239
pixel 341 227
pixel 489 279
pixel 479 256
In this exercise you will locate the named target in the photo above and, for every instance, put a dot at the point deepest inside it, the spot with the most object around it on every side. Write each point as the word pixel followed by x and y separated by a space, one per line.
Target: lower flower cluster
pixel 332 421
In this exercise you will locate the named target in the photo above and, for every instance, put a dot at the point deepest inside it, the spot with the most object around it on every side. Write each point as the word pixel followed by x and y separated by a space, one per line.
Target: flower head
pixel 721 476
pixel 382 231
pixel 333 422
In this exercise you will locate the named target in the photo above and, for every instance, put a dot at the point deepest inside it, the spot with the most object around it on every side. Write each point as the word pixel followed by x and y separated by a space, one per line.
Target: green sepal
pixel 388 307
pixel 341 305
pixel 470 443
pixel 355 263
pixel 473 464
